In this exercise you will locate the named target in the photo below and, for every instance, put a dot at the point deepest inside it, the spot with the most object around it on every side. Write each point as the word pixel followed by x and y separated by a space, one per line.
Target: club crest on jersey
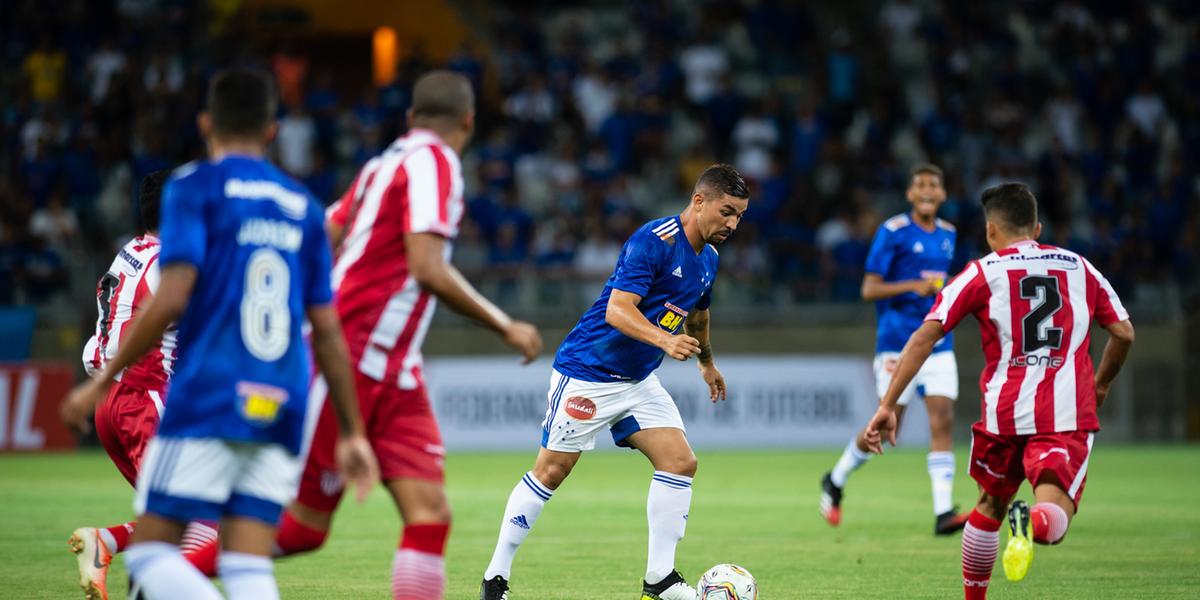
pixel 672 317
pixel 580 408
pixel 260 403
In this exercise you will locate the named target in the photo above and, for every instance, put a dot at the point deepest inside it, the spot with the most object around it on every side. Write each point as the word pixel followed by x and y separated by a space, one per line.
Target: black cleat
pixel 495 588
pixel 949 522
pixel 672 587
pixel 831 500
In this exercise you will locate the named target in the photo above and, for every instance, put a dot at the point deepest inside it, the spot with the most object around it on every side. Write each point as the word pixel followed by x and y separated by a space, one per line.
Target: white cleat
pixel 93 558
pixel 673 587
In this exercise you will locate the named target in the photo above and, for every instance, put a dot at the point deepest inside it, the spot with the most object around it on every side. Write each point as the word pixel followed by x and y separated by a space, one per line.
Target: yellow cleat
pixel 1018 554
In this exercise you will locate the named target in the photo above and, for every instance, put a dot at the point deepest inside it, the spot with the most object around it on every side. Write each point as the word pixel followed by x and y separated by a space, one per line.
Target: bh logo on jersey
pixel 672 317
pixel 581 408
pixel 260 403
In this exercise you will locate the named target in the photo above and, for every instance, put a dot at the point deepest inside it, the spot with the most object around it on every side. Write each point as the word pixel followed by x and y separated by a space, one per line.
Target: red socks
pixel 117 537
pixel 1049 522
pixel 419 570
pixel 980 545
pixel 204 557
pixel 295 537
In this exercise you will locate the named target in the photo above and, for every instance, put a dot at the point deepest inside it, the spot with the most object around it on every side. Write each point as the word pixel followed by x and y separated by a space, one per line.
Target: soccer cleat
pixel 93 558
pixel 1018 554
pixel 495 588
pixel 672 587
pixel 831 500
pixel 949 522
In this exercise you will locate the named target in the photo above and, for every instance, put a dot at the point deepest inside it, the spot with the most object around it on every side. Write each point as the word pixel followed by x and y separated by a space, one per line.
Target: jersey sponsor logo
pixel 678 272
pixel 672 317
pixel 581 408
pixel 127 257
pixel 1069 262
pixel 937 277
pixel 984 466
pixel 1030 360
pixel 293 204
pixel 520 521
pixel 260 403
pixel 270 232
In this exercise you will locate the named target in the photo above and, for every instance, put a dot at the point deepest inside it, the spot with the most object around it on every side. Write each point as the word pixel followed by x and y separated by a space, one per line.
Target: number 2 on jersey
pixel 1044 290
pixel 266 320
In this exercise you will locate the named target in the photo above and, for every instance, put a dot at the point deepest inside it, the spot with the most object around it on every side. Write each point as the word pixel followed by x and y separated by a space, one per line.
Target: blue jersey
pixel 903 251
pixel 257 240
pixel 658 264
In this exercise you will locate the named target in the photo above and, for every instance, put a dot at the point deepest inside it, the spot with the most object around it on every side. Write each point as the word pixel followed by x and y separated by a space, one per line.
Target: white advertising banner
pixel 774 401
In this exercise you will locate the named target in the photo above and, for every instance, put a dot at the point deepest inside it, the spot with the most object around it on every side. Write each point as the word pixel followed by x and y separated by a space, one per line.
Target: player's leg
pixel 995 464
pixel 655 429
pixel 267 477
pixel 576 411
pixel 939 380
pixel 125 421
pixel 855 455
pixel 181 480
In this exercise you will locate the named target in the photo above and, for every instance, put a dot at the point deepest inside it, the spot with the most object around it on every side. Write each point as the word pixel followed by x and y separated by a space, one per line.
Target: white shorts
pixel 579 410
pixel 188 479
pixel 937 377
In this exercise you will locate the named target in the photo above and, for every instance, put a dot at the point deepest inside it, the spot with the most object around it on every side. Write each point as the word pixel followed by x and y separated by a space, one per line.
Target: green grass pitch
pixel 1138 535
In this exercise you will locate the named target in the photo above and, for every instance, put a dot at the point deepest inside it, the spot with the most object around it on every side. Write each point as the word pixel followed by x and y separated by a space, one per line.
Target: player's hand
pixel 680 347
pixel 81 403
pixel 525 339
pixel 1101 393
pixel 881 427
pixel 357 465
pixel 925 287
pixel 715 381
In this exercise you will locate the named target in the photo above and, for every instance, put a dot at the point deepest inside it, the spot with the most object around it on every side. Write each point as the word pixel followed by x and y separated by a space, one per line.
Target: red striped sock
pixel 1049 522
pixel 980 545
pixel 204 557
pixel 294 537
pixel 419 570
pixel 120 537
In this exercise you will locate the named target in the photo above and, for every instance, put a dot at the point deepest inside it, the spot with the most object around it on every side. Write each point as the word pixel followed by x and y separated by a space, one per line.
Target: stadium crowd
pixel 595 118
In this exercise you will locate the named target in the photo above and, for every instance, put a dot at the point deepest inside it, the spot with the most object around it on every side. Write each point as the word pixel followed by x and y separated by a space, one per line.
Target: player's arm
pixel 696 326
pixel 875 288
pixel 355 459
pixel 426 253
pixel 1120 340
pixel 165 307
pixel 623 314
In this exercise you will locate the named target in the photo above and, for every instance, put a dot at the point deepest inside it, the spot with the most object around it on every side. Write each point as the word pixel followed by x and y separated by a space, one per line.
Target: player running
pixel 397 221
pixel 128 416
pixel 245 260
pixel 906 267
pixel 603 378
pixel 1035 304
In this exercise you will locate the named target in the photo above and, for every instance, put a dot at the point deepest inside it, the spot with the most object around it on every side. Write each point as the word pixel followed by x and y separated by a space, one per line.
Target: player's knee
pixel 683 464
pixel 552 473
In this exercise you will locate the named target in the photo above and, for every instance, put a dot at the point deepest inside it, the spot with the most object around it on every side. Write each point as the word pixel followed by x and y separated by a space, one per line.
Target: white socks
pixel 852 458
pixel 941 476
pixel 163 574
pixel 247 576
pixel 667 509
pixel 524 505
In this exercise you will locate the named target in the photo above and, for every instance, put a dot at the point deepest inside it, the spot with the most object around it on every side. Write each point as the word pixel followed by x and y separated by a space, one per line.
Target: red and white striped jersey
pixel 415 186
pixel 121 294
pixel 1035 304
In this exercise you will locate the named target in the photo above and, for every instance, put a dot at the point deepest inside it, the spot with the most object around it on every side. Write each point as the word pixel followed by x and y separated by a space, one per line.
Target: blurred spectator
pixel 296 141
pixel 55 223
pixel 45 69
pixel 704 63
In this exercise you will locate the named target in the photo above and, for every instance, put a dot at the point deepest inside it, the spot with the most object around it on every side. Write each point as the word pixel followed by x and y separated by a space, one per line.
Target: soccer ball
pixel 727 582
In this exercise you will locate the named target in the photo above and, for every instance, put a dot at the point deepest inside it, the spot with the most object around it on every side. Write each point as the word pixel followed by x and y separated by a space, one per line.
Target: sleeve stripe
pixel 425 190
pixel 1109 302
pixel 951 294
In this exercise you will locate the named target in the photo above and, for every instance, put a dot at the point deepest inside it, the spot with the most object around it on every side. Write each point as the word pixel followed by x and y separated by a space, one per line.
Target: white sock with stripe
pixel 667 508
pixel 161 572
pixel 941 477
pixel 852 458
pixel 524 505
pixel 247 576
